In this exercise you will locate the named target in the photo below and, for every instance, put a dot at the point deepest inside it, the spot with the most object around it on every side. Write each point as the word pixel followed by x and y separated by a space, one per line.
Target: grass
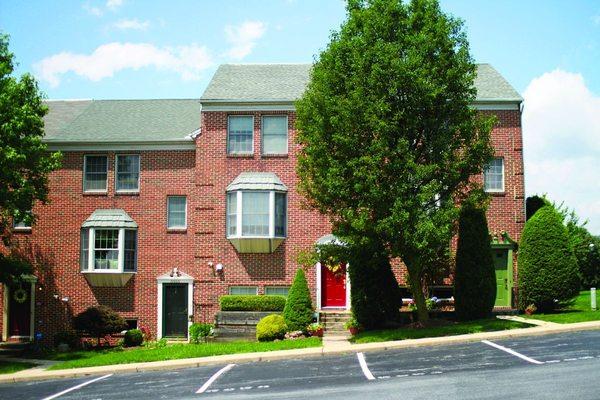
pixel 579 311
pixel 78 359
pixel 8 367
pixel 449 329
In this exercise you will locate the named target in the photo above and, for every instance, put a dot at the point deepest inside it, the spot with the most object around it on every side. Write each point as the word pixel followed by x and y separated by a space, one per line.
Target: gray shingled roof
pixel 109 218
pixel 256 181
pixel 121 120
pixel 286 83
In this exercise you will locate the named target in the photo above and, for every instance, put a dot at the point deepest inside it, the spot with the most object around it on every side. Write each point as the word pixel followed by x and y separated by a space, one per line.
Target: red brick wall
pixel 203 176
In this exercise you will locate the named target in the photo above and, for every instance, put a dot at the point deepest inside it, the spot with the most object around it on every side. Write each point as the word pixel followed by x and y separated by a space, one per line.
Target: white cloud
pixel 114 4
pixel 133 24
pixel 242 38
pixel 106 60
pixel 561 129
pixel 96 11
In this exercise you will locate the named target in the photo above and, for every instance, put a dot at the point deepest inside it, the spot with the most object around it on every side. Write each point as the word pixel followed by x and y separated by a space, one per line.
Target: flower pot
pixel 353 330
pixel 316 332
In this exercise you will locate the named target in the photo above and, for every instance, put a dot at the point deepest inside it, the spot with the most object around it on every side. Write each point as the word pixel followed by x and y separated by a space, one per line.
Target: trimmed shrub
pixel 200 331
pixel 475 276
pixel 252 303
pixel 133 338
pixel 298 311
pixel 532 204
pixel 70 338
pixel 270 328
pixel 548 271
pixel 99 321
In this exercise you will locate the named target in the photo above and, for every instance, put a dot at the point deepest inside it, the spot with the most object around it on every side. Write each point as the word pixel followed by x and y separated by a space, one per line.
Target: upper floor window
pixel 22 224
pixel 127 173
pixel 256 214
pixel 95 173
pixel 176 212
pixel 275 134
pixel 240 134
pixel 493 176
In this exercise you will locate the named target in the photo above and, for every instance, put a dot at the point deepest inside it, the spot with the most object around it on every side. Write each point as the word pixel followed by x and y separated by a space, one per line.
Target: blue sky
pixel 549 50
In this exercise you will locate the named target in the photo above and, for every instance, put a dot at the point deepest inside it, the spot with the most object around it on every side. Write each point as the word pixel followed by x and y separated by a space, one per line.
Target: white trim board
pixel 319 290
pixel 166 278
pixel 142 146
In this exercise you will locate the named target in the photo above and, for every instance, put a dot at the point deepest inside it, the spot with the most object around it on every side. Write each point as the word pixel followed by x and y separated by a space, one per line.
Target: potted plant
pixel 531 309
pixel 315 329
pixel 352 325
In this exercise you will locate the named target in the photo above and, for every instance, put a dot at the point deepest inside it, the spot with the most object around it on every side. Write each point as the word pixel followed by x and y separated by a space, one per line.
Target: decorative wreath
pixel 20 295
pixel 334 266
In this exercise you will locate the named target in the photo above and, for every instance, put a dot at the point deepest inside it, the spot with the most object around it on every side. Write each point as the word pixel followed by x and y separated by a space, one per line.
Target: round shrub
pixel 133 338
pixel 548 272
pixel 298 311
pixel 69 337
pixel 99 321
pixel 200 331
pixel 270 328
pixel 475 276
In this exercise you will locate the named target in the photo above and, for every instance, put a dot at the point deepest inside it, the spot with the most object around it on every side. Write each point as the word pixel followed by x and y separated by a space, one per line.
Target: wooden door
pixel 19 311
pixel 333 287
pixel 502 277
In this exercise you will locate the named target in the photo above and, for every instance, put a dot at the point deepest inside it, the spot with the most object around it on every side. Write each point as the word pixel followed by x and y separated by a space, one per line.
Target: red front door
pixel 19 311
pixel 333 287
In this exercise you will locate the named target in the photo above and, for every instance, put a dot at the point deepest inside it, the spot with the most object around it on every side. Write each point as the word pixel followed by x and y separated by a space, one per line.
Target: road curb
pixel 24 376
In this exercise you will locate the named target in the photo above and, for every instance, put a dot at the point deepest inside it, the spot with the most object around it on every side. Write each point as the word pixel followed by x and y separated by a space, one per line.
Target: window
pixel 108 249
pixel 23 223
pixel 277 290
pixel 275 135
pixel 258 213
pixel 240 135
pixel 95 173
pixel 131 323
pixel 243 290
pixel 176 212
pixel 493 176
pixel 127 173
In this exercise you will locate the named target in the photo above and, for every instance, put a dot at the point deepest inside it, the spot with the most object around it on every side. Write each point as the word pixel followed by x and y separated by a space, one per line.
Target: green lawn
pixel 78 359
pixel 579 311
pixel 8 367
pixel 452 328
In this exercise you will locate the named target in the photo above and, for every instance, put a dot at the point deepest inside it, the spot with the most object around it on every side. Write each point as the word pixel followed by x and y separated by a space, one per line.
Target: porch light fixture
pixel 175 273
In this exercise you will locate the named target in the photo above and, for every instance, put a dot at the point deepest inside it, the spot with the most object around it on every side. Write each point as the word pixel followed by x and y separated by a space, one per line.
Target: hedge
pixel 252 303
pixel 548 272
pixel 475 276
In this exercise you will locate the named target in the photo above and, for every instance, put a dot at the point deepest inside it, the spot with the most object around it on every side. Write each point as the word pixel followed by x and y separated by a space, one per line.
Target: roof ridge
pixel 95 100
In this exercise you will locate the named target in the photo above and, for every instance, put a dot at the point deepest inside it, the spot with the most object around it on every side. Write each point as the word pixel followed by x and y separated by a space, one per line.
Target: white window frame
pixel 239 216
pixel 22 228
pixel 503 178
pixel 262 136
pixel 120 255
pixel 139 172
pixel 277 287
pixel 85 156
pixel 229 290
pixel 186 213
pixel 251 152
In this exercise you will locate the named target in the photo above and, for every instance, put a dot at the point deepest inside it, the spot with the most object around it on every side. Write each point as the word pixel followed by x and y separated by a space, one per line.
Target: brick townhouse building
pixel 162 206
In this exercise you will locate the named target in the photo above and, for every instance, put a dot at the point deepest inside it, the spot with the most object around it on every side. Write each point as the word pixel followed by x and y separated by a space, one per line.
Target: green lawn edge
pixel 458 328
pixel 579 311
pixel 80 359
pixel 9 367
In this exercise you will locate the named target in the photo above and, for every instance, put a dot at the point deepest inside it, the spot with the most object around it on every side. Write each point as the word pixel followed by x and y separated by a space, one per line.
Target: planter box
pixel 231 325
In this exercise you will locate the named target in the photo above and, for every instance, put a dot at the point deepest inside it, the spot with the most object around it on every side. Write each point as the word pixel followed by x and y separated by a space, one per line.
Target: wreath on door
pixel 20 295
pixel 335 266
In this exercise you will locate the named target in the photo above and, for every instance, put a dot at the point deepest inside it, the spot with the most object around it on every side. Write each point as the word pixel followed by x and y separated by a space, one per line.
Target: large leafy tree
pixel 389 140
pixel 24 160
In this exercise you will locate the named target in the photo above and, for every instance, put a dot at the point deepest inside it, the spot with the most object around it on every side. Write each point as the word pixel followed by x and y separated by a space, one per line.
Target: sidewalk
pixel 331 345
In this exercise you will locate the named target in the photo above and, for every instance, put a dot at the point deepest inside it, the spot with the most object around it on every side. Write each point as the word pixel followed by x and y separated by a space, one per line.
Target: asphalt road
pixel 563 366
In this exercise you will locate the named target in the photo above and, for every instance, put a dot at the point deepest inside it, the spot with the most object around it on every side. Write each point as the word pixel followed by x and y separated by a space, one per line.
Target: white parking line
pixel 54 396
pixel 510 351
pixel 214 378
pixel 364 367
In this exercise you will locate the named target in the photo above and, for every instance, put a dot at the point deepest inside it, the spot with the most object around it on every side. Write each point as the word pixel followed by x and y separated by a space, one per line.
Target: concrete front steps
pixel 13 348
pixel 333 321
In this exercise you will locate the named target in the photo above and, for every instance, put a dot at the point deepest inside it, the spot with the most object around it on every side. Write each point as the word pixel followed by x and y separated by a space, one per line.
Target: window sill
pixel 103 193
pixel 274 155
pixel 127 193
pixel 176 230
pixel 500 193
pixel 22 230
pixel 240 155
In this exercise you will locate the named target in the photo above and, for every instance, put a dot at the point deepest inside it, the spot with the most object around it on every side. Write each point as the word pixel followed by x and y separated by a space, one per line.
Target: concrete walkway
pixel 331 345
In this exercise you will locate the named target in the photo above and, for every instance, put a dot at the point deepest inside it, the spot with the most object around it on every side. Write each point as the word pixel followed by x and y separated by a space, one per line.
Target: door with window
pixel 333 286
pixel 175 310
pixel 503 275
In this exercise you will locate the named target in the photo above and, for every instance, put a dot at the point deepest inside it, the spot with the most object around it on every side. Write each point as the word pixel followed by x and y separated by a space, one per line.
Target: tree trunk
pixel 416 287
